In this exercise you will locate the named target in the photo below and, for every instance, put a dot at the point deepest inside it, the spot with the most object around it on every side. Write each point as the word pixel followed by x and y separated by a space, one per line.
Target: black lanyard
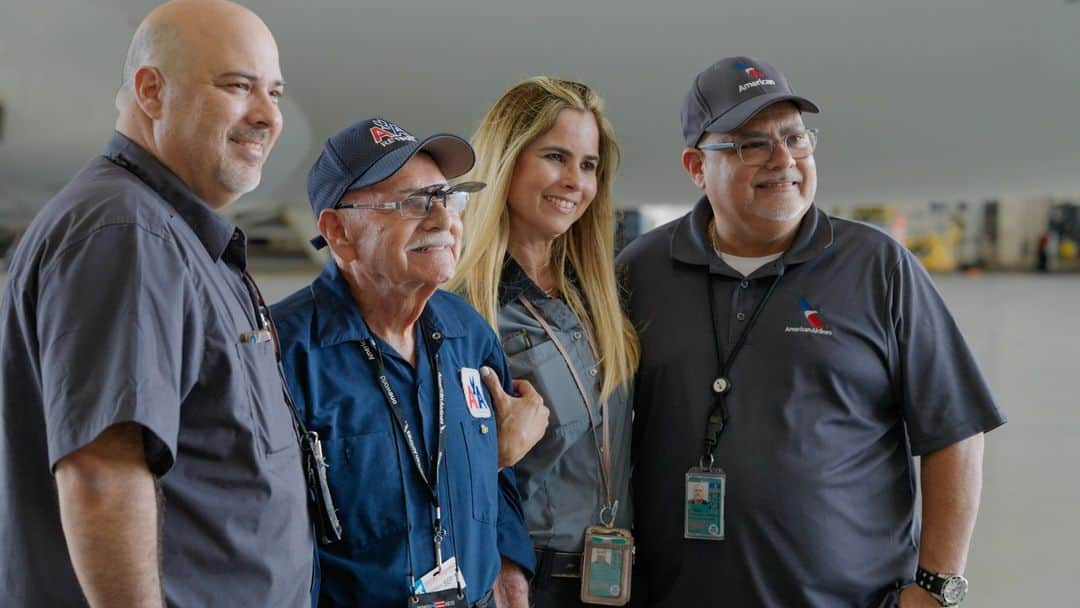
pixel 324 514
pixel 429 477
pixel 721 386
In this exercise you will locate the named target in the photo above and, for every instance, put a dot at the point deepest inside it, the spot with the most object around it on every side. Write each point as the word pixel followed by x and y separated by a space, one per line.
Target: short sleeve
pixel 117 327
pixel 945 397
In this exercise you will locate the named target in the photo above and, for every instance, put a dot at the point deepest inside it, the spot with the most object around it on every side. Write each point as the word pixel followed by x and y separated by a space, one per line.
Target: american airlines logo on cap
pixel 759 78
pixel 384 133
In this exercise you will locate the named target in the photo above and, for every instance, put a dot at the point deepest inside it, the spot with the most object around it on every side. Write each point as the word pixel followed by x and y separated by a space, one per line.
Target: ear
pixel 692 162
pixel 333 230
pixel 149 89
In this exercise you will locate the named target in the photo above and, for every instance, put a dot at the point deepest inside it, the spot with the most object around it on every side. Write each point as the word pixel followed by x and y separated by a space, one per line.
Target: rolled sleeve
pixel 117 341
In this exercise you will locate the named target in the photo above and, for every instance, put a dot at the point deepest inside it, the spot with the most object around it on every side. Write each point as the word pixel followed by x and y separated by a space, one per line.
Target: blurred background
pixel 952 125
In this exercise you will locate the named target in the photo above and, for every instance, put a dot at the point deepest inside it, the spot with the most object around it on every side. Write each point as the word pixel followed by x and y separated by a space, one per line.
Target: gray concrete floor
pixel 1025 331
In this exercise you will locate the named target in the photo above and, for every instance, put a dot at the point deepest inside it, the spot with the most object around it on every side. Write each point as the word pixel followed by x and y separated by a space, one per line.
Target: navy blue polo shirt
pixel 384 506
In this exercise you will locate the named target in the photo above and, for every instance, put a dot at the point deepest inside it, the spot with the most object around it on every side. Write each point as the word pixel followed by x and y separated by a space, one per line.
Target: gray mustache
pixel 787 177
pixel 258 136
pixel 432 240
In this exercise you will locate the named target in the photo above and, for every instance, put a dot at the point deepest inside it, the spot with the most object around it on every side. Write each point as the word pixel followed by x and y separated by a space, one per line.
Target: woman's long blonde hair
pixel 523 113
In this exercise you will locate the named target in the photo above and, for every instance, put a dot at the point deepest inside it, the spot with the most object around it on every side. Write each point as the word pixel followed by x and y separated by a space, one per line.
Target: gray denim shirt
pixel 559 479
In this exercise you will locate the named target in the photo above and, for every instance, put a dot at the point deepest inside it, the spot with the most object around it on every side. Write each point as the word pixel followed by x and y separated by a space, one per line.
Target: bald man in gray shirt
pixel 137 365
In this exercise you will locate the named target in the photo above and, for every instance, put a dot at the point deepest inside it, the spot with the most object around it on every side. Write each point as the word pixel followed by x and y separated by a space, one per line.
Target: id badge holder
pixel 447 598
pixel 443 587
pixel 703 504
pixel 605 571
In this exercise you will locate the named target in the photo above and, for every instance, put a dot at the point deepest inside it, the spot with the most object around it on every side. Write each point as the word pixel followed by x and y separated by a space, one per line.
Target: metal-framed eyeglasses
pixel 756 151
pixel 419 203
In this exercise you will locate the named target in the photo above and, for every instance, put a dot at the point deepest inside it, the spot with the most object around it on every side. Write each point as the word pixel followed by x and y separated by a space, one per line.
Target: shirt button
pixel 744 284
pixel 592 372
pixel 577 335
pixel 436 336
pixel 483 429
pixel 720 385
pixel 740 316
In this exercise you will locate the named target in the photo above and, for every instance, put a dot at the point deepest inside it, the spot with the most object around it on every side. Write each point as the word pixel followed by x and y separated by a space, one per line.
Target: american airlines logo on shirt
pixel 813 320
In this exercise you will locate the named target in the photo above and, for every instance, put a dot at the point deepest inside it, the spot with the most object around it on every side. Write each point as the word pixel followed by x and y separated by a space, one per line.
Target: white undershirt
pixel 747 266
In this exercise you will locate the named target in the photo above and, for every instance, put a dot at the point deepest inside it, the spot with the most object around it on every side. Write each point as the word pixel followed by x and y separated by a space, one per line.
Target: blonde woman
pixel 538 265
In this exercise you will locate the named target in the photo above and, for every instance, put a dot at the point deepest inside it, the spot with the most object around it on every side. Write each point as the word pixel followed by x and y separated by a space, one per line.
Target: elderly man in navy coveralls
pixel 391 372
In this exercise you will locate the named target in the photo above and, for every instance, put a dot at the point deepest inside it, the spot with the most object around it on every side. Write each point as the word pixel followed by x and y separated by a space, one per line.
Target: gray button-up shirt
pixel 559 479
pixel 126 302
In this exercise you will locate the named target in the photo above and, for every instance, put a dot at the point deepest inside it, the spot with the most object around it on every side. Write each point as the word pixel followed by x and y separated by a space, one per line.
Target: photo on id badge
pixel 605 572
pixel 704 505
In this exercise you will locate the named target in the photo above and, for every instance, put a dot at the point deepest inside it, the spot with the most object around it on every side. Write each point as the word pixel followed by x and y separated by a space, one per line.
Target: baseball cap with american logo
pixel 730 92
pixel 370 151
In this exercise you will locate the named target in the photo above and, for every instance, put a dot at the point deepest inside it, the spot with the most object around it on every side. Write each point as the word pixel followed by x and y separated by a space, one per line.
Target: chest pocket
pixel 482 452
pixel 271 421
pixel 544 367
pixel 365 481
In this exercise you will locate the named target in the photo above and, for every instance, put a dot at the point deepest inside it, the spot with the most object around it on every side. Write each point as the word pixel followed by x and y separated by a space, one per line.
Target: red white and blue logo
pixel 757 78
pixel 384 133
pixel 752 72
pixel 812 316
pixel 474 393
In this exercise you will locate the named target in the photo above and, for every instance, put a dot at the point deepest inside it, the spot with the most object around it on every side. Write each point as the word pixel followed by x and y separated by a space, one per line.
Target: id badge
pixel 440 588
pixel 605 573
pixel 704 504
pixel 447 598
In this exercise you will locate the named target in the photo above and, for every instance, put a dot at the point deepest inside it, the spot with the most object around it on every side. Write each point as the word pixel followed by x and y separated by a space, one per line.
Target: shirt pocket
pixel 544 367
pixel 482 452
pixel 271 420
pixel 365 483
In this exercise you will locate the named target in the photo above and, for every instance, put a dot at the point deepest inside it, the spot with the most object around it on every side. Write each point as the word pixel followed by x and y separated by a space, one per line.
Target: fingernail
pixel 485 371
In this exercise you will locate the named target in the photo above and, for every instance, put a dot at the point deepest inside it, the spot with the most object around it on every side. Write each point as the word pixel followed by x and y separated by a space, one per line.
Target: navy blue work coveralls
pixel 385 508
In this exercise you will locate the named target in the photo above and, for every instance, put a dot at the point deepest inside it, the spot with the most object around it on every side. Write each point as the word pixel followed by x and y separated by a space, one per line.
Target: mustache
pixel 256 135
pixel 787 176
pixel 438 239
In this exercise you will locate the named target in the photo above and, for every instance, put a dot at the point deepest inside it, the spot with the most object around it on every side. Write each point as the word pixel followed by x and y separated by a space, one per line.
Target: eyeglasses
pixel 756 151
pixel 419 203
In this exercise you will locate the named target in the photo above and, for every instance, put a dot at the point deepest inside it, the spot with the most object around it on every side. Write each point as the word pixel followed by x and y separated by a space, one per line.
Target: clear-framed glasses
pixel 419 203
pixel 756 151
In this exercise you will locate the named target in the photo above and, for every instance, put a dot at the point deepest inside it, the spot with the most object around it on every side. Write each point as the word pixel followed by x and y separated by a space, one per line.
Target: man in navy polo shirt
pixel 823 361
pixel 391 372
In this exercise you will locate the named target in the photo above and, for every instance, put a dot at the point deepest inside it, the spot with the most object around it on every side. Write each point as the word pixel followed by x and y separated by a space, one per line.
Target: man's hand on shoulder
pixel 521 420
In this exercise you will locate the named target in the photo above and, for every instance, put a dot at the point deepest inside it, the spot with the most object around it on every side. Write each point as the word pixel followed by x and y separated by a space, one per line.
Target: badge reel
pixel 608 558
pixel 704 502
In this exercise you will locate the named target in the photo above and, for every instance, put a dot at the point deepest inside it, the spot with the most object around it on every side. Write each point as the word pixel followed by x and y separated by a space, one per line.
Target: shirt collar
pixel 690 241
pixel 338 319
pixel 213 231
pixel 513 282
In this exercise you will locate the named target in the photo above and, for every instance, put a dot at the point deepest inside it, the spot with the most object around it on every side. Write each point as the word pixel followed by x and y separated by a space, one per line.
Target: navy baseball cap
pixel 730 92
pixel 370 151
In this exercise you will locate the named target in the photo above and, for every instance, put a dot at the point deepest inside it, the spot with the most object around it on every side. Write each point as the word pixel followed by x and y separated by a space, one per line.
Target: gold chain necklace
pixel 713 239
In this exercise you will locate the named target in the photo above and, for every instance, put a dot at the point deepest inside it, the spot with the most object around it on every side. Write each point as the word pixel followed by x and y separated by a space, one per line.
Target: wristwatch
pixel 947 589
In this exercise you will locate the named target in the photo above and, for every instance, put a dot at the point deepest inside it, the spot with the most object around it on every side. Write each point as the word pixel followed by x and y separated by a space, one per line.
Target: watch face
pixel 954 590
